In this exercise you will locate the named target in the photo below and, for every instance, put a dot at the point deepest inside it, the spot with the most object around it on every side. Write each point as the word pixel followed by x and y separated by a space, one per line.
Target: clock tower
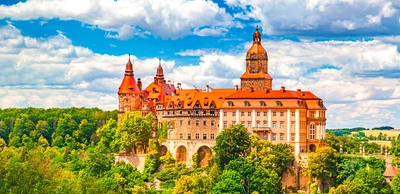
pixel 256 75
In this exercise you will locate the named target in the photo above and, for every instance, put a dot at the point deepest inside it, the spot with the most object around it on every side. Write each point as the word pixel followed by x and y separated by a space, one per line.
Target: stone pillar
pixel 221 119
pixel 253 118
pixel 288 126
pixel 269 118
pixel 297 133
pixel 237 116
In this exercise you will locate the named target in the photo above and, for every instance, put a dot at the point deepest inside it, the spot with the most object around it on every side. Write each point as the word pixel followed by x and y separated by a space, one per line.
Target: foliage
pixel 274 156
pixel 152 161
pixel 322 165
pixel 231 143
pixel 230 183
pixel 134 129
pixel 196 184
pixel 163 131
pixel 167 158
pixel 396 184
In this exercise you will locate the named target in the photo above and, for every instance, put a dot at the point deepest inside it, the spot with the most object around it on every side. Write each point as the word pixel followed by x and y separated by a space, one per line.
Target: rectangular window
pixel 225 114
pixel 265 124
pixel 180 122
pixel 274 125
pixel 281 125
pixel 188 122
pixel 293 114
pixel 258 125
pixel 225 125
pixel 242 114
pixel 281 136
pixel 204 136
pixel 265 114
pixel 273 136
pixel 212 123
pixel 212 136
pixel 281 114
pixel 248 125
pixel 292 125
pixel 249 114
pixel 265 136
pixel 274 114
pixel 258 114
pixel 292 136
pixel 204 123
pixel 197 122
pixel 189 136
pixel 312 113
pixel 180 135
pixel 233 114
pixel 197 136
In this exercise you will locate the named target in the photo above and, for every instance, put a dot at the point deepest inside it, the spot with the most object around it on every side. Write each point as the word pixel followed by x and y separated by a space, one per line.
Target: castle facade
pixel 195 117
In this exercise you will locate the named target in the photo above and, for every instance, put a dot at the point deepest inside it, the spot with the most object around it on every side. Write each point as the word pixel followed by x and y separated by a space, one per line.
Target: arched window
pixel 312 131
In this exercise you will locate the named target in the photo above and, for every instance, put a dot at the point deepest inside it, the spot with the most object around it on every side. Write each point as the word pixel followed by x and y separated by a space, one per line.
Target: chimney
pixel 283 89
pixel 179 86
pixel 267 91
pixel 298 90
pixel 236 87
pixel 207 88
pixel 139 84
pixel 251 89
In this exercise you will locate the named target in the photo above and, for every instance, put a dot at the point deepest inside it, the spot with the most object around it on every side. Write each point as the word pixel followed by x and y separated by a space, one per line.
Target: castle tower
pixel 160 73
pixel 129 92
pixel 256 75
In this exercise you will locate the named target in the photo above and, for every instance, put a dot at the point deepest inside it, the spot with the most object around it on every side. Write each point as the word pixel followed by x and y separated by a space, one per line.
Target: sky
pixel 72 53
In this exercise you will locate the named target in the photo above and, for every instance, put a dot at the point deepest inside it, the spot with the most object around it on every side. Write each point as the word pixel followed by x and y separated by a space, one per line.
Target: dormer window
pixel 171 105
pixel 197 105
pixel 212 105
pixel 262 103
pixel 278 103
pixel 246 103
pixel 321 103
pixel 230 104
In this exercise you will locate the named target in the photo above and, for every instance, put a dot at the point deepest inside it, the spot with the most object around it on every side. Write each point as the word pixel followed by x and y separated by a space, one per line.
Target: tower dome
pixel 257 51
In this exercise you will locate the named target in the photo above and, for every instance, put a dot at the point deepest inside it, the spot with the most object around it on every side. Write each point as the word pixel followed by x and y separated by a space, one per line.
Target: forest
pixel 72 151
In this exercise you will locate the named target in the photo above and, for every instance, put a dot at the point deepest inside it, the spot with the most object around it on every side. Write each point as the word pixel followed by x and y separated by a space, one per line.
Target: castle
pixel 195 117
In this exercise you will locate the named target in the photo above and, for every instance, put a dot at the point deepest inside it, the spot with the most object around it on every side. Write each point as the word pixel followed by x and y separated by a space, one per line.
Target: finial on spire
pixel 257 27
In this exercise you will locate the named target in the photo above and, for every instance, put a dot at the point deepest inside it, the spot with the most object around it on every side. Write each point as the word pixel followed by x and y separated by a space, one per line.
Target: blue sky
pixel 63 53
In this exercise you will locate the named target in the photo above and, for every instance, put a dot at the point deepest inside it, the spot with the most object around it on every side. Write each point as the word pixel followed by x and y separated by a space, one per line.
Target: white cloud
pixel 315 17
pixel 166 19
pixel 52 72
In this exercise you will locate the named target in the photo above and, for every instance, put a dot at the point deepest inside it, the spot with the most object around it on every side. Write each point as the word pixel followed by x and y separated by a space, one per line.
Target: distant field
pixel 390 133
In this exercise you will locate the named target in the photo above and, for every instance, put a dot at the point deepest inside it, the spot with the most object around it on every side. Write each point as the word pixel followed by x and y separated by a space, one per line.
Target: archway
pixel 163 150
pixel 312 147
pixel 203 155
pixel 181 154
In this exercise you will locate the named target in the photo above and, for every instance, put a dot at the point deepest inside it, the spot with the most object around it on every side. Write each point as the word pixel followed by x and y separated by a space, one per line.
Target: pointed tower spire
pixel 160 72
pixel 129 67
pixel 128 85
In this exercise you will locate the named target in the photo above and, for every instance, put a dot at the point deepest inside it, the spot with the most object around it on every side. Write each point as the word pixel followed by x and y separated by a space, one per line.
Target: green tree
pixel 133 129
pixel 322 165
pixel 396 184
pixel 274 156
pixel 196 184
pixel 108 138
pixel 231 143
pixel 230 183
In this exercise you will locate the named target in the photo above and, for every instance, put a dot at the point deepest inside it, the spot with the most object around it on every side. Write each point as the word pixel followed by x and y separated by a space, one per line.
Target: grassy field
pixel 390 133
pixel 379 142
